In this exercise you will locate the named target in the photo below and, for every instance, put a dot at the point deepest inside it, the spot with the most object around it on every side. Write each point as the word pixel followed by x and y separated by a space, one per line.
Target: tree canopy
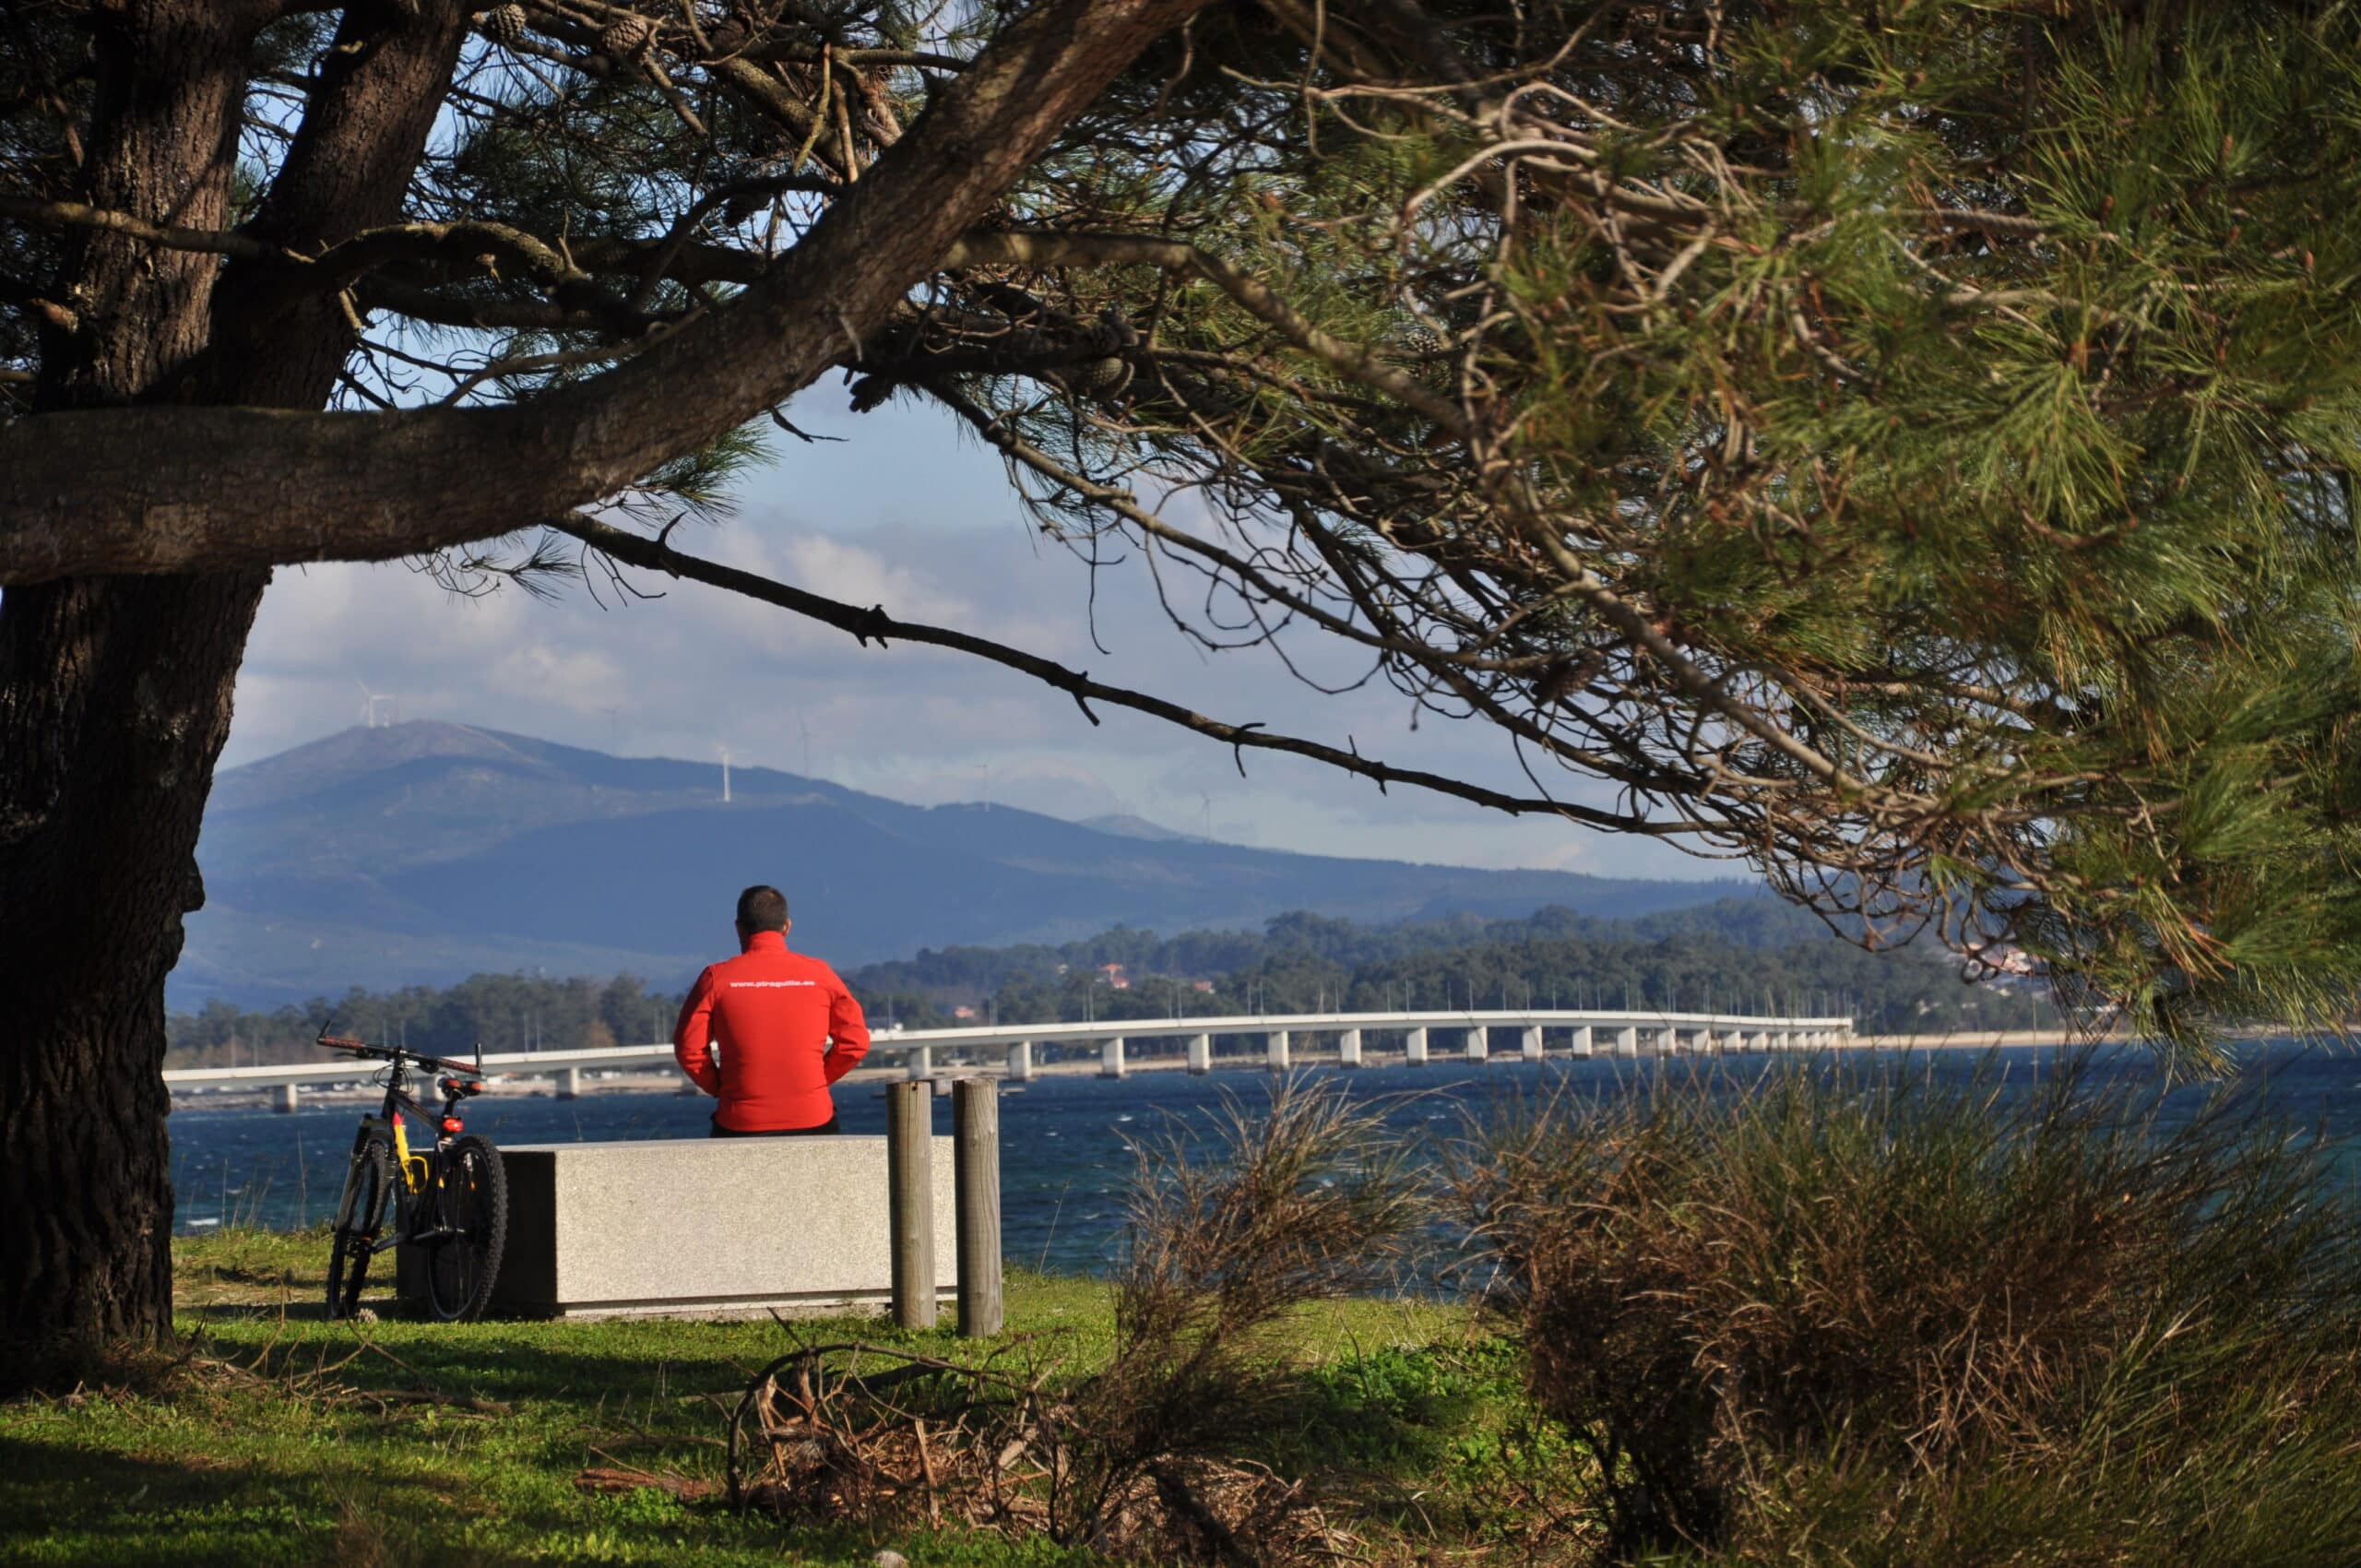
pixel 1906 446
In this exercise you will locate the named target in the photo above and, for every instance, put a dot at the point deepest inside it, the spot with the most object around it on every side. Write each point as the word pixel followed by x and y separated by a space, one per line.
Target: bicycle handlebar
pixel 396 1055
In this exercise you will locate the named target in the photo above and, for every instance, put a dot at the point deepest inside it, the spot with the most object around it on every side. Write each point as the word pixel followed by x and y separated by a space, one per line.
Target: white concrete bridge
pixel 1273 1043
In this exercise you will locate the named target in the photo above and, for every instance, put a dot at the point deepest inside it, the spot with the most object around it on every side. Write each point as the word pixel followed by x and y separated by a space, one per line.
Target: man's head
pixel 761 907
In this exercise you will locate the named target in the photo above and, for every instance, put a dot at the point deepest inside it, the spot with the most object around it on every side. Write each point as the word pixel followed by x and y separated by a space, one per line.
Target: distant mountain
pixel 1129 827
pixel 424 852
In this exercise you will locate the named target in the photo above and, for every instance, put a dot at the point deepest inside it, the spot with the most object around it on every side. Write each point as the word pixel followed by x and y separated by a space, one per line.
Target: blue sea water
pixel 1066 1142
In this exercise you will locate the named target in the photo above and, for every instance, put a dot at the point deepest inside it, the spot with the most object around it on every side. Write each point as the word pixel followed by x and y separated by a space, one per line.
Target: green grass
pixel 328 1455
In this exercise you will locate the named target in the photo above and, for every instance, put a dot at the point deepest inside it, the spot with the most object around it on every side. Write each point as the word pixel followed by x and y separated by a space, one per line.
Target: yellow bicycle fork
pixel 414 1169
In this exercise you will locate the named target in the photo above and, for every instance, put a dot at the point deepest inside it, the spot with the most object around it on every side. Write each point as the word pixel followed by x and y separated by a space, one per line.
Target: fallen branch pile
pixel 1149 1455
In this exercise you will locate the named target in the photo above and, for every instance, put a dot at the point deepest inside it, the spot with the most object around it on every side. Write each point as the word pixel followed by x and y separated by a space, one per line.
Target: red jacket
pixel 784 1027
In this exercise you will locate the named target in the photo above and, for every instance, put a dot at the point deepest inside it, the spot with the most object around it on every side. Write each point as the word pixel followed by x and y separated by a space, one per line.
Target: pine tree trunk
pixel 115 701
pixel 115 693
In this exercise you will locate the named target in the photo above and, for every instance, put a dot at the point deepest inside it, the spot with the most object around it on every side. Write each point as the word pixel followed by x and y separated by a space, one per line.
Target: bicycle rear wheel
pixel 368 1183
pixel 470 1226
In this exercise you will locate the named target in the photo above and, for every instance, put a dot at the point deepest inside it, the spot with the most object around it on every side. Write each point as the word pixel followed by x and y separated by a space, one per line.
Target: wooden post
pixel 975 1141
pixel 909 1196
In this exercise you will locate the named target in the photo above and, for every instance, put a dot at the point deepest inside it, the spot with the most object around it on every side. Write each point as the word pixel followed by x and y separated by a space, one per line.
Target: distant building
pixel 963 1012
pixel 1201 985
pixel 1116 978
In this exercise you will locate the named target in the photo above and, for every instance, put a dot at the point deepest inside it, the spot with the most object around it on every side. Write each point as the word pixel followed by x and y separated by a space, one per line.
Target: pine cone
pixel 1418 340
pixel 631 39
pixel 1099 378
pixel 503 24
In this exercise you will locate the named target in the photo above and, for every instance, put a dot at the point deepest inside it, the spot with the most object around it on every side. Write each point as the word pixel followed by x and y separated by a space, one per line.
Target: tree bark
pixel 116 692
pixel 113 703
pixel 114 700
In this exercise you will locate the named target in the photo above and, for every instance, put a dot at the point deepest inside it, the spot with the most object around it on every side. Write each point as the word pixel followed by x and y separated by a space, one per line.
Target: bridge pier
pixel 1530 1046
pixel 920 1059
pixel 1578 1040
pixel 1477 1046
pixel 569 1083
pixel 286 1098
pixel 1414 1047
pixel 1018 1065
pixel 1201 1053
pixel 1627 1040
pixel 1110 1058
pixel 1348 1048
pixel 1274 1050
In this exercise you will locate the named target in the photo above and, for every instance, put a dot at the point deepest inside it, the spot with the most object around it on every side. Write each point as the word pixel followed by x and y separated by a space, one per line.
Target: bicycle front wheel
pixel 360 1217
pixel 469 1230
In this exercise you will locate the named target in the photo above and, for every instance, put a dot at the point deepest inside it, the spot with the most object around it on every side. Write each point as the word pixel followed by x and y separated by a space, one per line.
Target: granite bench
pixel 708 1228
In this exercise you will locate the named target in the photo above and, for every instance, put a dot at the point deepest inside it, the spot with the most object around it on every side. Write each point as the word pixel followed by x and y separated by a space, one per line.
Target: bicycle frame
pixel 413 1172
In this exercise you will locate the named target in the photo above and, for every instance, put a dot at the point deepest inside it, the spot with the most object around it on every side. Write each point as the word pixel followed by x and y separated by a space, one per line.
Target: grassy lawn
pixel 287 1439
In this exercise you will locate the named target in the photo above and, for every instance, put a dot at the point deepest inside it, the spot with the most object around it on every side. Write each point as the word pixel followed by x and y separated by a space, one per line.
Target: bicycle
pixel 453 1207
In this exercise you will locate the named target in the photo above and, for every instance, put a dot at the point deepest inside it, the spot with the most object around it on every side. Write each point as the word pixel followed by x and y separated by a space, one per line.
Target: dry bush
pixel 1846 1273
pixel 1229 1232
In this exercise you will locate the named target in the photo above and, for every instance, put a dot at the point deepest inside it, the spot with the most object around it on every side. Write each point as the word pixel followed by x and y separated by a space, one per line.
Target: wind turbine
pixel 369 701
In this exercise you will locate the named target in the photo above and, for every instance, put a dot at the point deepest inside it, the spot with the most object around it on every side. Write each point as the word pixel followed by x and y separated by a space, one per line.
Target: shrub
pixel 1231 1229
pixel 1939 1325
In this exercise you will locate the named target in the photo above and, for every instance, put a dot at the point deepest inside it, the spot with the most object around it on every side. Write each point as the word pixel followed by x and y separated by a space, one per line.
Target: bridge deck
pixel 918 1045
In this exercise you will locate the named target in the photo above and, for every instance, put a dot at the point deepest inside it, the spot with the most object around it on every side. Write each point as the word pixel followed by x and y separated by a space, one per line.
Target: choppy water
pixel 1065 1141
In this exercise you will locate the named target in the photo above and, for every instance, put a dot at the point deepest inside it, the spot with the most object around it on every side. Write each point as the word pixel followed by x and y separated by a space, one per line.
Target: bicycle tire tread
pixel 494 1228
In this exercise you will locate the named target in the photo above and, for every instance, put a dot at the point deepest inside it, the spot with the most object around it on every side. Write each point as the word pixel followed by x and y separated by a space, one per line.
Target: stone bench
pixel 708 1228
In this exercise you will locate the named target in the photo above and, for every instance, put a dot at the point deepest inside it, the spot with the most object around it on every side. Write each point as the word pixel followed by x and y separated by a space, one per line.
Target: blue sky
pixel 907 514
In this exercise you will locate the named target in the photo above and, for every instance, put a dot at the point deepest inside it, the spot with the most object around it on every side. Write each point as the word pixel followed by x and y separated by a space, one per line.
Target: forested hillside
pixel 1740 953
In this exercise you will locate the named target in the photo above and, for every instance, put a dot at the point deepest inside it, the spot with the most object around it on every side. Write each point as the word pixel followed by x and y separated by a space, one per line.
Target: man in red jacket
pixel 767 1032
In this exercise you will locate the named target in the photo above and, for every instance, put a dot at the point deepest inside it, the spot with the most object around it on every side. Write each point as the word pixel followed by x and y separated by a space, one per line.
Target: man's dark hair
pixel 762 908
